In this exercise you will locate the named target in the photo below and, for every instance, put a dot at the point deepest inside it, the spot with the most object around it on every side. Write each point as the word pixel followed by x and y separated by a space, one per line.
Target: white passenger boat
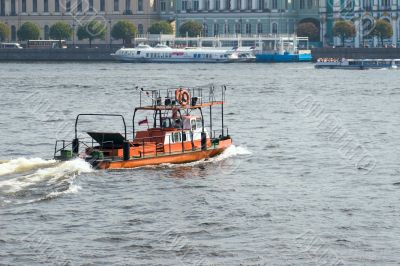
pixel 333 63
pixel 163 53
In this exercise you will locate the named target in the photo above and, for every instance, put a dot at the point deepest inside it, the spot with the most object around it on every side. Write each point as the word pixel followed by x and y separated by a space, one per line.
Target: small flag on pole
pixel 144 121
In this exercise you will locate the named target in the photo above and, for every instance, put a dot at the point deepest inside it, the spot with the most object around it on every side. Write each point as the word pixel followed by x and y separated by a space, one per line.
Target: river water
pixel 313 177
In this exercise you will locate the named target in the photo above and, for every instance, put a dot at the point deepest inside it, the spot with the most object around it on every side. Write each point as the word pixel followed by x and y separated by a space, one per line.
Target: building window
pixel 238 4
pixel 23 8
pixel 302 4
pixel 79 6
pixel 163 6
pixel 310 4
pixel 386 4
pixel 196 5
pixel 260 4
pixel 155 5
pixel 226 28
pixel 46 32
pixel 46 5
pixel 217 4
pixel 116 5
pixel 274 28
pixel 56 5
pixel 2 7
pixel 68 6
pixel 140 5
pixel 275 4
pixel 102 5
pixel 34 6
pixel 13 33
pixel 90 5
pixel 238 28
pixel 259 28
pixel 140 29
pixel 249 4
pixel 216 29
pixel 227 4
pixel 287 4
pixel 367 5
pixel 207 3
pixel 13 9
pixel 248 28
pixel 348 4
pixel 184 5
pixel 128 10
pixel 205 29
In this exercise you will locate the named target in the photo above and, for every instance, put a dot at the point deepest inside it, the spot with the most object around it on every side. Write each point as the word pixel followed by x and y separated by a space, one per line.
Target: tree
pixel 124 30
pixel 60 31
pixel 91 31
pixel 344 29
pixel 308 29
pixel 4 32
pixel 161 27
pixel 28 31
pixel 192 28
pixel 382 30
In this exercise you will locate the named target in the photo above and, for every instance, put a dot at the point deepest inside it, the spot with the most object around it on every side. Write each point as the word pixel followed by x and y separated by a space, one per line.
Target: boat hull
pixel 177 158
pixel 128 59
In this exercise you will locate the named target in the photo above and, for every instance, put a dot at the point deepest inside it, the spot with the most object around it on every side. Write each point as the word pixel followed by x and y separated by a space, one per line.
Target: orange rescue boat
pixel 178 133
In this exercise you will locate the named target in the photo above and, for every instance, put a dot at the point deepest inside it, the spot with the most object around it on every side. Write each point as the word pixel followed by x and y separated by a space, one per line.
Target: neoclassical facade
pixel 217 16
pixel 363 13
pixel 245 16
pixel 46 12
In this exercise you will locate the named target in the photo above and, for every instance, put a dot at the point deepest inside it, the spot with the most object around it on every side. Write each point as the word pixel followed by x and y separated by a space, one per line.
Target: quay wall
pixel 71 54
pixel 356 53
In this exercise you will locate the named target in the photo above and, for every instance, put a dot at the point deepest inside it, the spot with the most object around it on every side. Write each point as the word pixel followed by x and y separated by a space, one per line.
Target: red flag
pixel 141 122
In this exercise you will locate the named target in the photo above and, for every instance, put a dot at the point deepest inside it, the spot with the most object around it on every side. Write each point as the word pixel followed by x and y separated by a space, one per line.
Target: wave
pixel 23 164
pixel 50 177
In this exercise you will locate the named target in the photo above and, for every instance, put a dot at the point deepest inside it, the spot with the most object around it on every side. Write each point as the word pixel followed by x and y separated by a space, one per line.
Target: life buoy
pixel 182 96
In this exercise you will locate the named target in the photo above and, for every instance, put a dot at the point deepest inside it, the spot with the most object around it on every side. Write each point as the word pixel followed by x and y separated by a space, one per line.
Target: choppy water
pixel 313 178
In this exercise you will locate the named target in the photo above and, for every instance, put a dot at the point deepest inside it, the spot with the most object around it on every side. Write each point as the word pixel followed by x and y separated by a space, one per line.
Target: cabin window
pixel 198 123
pixel 176 137
pixel 138 52
pixel 193 123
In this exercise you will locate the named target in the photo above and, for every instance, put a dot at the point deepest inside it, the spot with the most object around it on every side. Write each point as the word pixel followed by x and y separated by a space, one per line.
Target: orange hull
pixel 187 157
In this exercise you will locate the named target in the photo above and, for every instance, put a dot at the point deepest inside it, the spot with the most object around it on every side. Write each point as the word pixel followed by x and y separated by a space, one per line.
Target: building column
pixel 394 26
pixel 212 5
pixel 233 4
pixel 201 4
pixel 357 37
pixel 222 4
pixel 254 4
pixel 244 6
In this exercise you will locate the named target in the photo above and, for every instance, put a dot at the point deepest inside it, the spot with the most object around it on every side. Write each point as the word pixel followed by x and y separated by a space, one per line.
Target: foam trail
pixel 66 170
pixel 23 164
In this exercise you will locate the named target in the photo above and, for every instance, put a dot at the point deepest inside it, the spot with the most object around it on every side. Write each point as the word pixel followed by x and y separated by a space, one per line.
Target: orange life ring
pixel 182 96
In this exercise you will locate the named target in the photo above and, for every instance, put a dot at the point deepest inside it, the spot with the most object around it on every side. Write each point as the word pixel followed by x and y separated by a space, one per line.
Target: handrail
pixel 117 115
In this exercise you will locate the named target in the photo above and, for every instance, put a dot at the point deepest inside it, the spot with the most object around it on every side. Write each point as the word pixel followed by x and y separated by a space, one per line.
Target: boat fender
pixel 203 141
pixel 75 146
pixel 126 150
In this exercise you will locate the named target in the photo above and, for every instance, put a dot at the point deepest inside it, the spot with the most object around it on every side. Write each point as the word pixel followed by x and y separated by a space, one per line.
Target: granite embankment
pixel 77 54
pixel 356 53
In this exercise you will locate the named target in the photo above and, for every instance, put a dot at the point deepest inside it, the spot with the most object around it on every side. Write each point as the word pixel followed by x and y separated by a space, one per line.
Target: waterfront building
pixel 47 12
pixel 363 13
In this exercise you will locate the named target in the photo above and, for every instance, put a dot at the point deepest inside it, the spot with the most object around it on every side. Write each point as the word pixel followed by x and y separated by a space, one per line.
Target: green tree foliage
pixel 191 27
pixel 28 31
pixel 344 29
pixel 91 31
pixel 124 30
pixel 60 31
pixel 4 32
pixel 382 30
pixel 308 29
pixel 161 27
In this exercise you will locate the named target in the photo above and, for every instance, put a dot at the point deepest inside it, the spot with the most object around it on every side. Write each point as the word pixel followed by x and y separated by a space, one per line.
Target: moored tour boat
pixel 165 54
pixel 178 133
pixel 334 63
